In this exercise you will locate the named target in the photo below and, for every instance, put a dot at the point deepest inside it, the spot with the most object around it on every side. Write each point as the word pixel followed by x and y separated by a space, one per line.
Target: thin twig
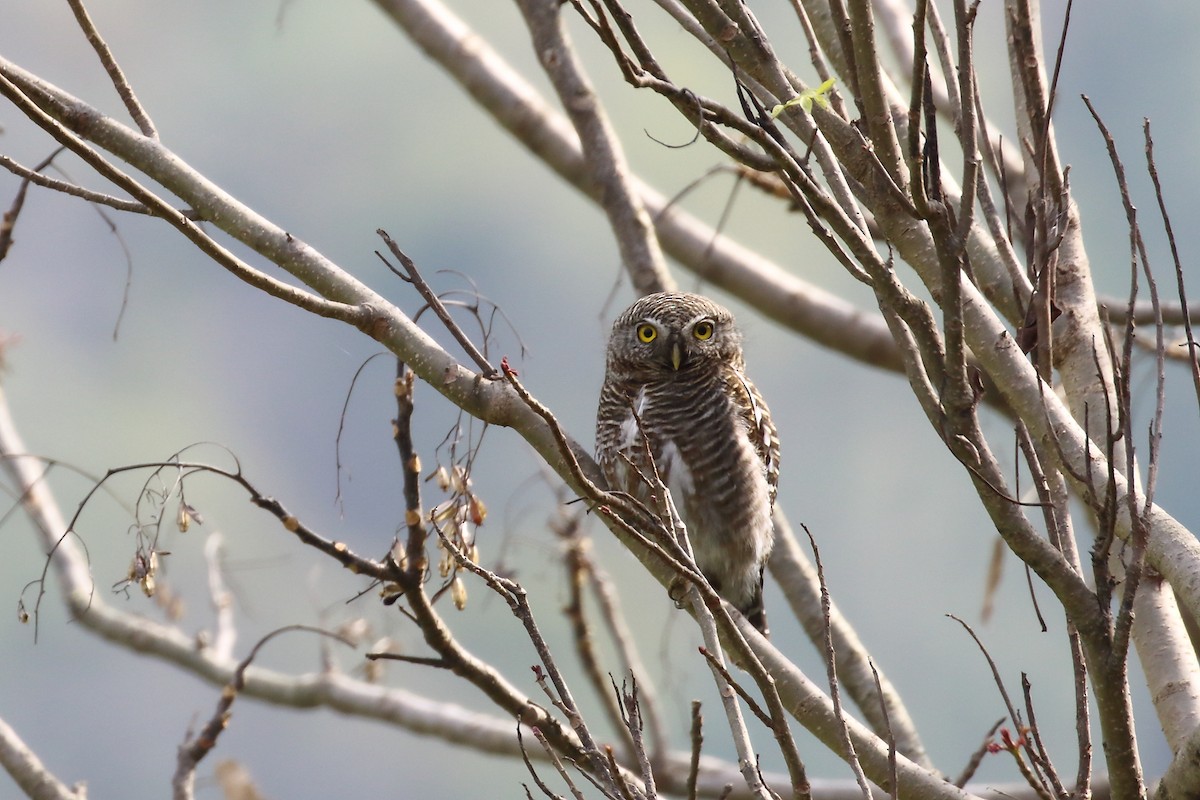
pixel 36 176
pixel 1037 783
pixel 135 108
pixel 9 221
pixel 197 747
pixel 579 569
pixel 359 316
pixel 514 594
pixel 529 764
pixel 798 580
pixel 848 751
pixel 615 621
pixel 1122 629
pixel 1193 354
pixel 893 783
pixel 977 757
pixel 413 276
pixel 630 700
pixel 1037 749
pixel 720 668
pixel 697 740
pixel 416 560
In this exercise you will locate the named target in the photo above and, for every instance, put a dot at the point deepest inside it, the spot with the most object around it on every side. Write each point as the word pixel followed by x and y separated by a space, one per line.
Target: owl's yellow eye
pixel 703 330
pixel 646 333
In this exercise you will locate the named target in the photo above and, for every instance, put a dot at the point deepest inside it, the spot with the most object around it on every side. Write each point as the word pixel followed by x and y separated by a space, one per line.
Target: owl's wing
pixel 754 411
pixel 614 419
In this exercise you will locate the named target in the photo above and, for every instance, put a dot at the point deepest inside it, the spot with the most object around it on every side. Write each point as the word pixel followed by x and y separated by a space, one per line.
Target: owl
pixel 675 384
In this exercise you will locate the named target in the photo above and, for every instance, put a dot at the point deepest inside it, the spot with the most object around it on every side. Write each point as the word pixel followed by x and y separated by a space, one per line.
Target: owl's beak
pixel 676 355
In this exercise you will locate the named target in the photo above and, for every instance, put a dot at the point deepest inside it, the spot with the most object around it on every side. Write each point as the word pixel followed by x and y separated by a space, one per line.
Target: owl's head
pixel 673 333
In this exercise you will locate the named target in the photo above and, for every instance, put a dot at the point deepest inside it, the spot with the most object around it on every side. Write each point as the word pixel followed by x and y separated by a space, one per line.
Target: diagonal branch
pixel 357 316
pixel 28 771
pixel 604 161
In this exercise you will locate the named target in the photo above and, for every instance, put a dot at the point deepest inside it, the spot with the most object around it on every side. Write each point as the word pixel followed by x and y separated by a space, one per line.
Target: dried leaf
pixel 442 477
pixel 477 510
pixel 187 515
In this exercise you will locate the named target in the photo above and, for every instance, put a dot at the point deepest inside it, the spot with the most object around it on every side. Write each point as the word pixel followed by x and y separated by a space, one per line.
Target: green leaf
pixel 806 99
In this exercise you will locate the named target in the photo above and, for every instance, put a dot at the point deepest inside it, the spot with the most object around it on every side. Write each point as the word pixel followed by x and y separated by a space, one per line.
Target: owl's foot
pixel 759 620
pixel 754 611
pixel 676 590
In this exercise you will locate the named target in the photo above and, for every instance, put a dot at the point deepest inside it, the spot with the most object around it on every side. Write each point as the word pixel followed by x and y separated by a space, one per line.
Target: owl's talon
pixel 676 590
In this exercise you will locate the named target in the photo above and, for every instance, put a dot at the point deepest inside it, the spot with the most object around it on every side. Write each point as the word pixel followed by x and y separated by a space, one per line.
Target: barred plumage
pixel 675 376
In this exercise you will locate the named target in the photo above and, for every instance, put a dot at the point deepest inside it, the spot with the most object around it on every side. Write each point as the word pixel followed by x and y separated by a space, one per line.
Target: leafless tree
pixel 881 147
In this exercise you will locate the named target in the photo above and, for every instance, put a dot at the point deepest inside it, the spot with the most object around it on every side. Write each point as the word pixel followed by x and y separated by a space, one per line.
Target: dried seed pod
pixel 477 510
pixel 442 477
pixel 458 593
pixel 186 516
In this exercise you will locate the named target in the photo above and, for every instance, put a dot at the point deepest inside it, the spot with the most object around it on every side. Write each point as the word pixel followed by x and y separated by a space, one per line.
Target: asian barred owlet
pixel 675 381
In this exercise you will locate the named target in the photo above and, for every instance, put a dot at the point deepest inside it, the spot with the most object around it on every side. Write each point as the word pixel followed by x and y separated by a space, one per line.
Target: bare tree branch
pixel 996 304
pixel 448 721
pixel 28 772
pixel 780 295
pixel 602 154
pixel 114 71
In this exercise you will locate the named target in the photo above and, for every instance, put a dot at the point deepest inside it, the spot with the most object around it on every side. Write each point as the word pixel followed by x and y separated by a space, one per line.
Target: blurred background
pixel 326 119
